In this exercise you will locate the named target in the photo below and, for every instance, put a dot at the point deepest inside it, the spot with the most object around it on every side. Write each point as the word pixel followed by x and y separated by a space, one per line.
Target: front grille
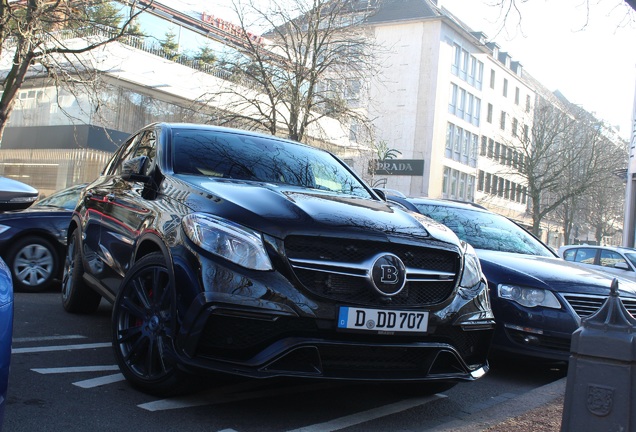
pixel 586 304
pixel 348 281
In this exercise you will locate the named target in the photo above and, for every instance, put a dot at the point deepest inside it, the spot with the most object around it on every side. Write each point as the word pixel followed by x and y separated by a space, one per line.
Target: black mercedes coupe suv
pixel 234 252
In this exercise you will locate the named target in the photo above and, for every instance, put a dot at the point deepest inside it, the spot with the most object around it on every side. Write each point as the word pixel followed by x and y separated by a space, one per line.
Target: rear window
pixel 244 157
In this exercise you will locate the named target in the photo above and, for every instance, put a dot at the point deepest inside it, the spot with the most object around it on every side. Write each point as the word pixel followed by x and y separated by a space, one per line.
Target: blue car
pixel 537 298
pixel 6 332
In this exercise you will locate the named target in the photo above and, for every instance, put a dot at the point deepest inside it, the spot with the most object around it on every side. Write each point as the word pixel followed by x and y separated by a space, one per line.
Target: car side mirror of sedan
pixel 135 169
pixel 15 195
pixel 621 266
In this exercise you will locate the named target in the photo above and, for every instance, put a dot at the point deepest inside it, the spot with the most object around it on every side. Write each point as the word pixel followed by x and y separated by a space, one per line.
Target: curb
pixel 503 411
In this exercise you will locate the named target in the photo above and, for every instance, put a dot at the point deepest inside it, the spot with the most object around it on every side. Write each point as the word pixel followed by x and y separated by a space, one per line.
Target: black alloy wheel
pixel 76 296
pixel 144 326
pixel 34 263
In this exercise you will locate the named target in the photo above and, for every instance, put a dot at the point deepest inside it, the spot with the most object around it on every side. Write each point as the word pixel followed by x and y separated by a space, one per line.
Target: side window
pixel 611 258
pixel 585 255
pixel 114 167
pixel 147 147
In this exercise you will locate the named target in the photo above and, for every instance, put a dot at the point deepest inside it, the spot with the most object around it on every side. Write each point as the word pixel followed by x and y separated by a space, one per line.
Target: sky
pixel 586 49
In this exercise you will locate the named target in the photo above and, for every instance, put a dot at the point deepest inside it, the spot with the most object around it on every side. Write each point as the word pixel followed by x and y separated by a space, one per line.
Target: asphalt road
pixel 64 378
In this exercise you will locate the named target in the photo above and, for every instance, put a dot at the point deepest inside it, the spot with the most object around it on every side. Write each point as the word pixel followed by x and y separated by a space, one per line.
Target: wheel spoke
pixel 125 335
pixel 128 305
pixel 140 291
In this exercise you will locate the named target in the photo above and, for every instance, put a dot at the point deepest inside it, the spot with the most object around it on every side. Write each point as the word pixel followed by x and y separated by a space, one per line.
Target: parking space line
pixel 48 338
pixel 220 395
pixel 76 369
pixel 60 348
pixel 365 416
pixel 96 382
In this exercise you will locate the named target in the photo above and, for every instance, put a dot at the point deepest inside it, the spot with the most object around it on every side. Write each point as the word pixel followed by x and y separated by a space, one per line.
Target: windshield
pixel 245 157
pixel 485 230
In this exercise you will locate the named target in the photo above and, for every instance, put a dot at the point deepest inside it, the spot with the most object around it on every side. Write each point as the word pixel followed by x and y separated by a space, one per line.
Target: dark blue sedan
pixel 538 299
pixel 33 241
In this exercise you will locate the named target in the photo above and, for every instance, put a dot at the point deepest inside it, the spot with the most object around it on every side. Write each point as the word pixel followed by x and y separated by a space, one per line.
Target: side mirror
pixel 15 195
pixel 135 169
pixel 380 193
pixel 621 266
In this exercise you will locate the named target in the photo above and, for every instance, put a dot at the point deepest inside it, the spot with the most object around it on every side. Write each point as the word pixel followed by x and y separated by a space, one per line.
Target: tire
pixel 34 263
pixel 76 296
pixel 144 326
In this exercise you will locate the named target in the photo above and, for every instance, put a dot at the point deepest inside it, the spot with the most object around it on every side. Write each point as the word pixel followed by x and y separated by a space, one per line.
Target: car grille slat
pixel 441 267
pixel 586 304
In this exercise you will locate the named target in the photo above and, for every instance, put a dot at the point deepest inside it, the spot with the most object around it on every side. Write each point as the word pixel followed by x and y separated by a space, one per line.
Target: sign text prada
pixel 406 167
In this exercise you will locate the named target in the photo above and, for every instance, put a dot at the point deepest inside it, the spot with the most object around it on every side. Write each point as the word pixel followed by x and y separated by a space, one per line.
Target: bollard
pixel 599 394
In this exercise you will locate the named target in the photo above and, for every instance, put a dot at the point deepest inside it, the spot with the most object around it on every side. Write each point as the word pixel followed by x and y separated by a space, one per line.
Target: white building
pixel 451 100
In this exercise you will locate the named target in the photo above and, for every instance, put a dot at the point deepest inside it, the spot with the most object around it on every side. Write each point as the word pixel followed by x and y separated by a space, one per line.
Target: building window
pixel 502 121
pixel 484 146
pixel 492 78
pixel 449 140
pixel 528 103
pixel 452 103
pixel 458 184
pixel 505 87
pixel 489 114
pixel 491 147
pixel 456 59
pixel 517 95
pixel 477 112
pixel 526 133
pixel 515 124
pixel 480 181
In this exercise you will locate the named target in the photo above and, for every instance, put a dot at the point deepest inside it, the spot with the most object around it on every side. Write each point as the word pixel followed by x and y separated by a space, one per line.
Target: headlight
pixel 4 228
pixel 528 297
pixel 226 239
pixel 471 275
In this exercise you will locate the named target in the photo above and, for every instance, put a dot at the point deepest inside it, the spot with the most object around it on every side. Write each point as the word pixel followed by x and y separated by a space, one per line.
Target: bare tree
pixel 567 154
pixel 510 12
pixel 314 62
pixel 51 35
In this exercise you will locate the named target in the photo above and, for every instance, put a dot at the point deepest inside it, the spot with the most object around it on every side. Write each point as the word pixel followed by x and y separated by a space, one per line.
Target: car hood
pixel 548 273
pixel 281 210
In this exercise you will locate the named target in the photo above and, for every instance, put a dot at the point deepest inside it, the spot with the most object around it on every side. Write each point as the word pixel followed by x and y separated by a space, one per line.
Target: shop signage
pixel 405 167
pixel 228 27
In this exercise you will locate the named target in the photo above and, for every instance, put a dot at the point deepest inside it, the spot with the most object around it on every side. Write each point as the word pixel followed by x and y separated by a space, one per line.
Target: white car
pixel 619 261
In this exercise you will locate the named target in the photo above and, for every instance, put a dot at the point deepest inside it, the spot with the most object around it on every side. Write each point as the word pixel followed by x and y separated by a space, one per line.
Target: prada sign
pixel 405 167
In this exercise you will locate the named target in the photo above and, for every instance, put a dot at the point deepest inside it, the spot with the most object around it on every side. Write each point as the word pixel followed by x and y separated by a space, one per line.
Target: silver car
pixel 619 261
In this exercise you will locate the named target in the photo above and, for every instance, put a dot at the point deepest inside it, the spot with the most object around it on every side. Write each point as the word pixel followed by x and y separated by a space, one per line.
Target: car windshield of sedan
pixel 246 157
pixel 485 230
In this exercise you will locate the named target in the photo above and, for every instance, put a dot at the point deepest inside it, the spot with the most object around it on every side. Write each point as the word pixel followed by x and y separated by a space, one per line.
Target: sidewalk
pixel 538 410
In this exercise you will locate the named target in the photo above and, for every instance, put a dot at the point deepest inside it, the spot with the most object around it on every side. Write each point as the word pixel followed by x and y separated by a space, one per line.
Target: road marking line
pixel 220 395
pixel 48 338
pixel 46 371
pixel 60 348
pixel 365 416
pixel 96 382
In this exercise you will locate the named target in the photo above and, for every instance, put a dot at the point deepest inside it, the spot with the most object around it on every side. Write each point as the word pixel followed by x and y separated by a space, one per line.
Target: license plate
pixel 377 320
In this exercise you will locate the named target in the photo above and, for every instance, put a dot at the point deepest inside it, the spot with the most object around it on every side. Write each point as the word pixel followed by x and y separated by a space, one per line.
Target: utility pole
pixel 629 223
